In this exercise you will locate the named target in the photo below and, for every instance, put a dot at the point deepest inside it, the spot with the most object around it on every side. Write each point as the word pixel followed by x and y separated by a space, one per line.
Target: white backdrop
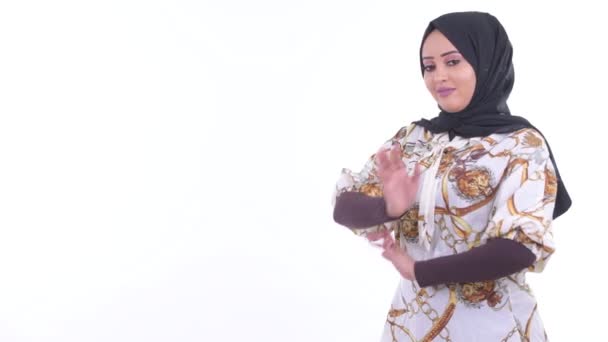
pixel 166 167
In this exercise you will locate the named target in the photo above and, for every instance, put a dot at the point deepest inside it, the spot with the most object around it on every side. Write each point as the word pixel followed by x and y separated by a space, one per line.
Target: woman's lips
pixel 443 92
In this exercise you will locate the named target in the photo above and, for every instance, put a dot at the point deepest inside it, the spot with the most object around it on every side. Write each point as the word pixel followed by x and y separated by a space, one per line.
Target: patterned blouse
pixel 472 190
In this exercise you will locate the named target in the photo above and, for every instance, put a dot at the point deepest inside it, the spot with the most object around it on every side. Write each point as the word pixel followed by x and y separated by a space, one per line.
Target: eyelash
pixel 454 61
pixel 451 62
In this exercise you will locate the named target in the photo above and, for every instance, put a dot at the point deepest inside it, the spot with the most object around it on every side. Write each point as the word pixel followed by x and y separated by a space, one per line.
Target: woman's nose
pixel 440 74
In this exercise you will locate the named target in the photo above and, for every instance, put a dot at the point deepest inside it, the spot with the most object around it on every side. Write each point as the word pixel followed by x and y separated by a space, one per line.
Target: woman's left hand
pixel 396 255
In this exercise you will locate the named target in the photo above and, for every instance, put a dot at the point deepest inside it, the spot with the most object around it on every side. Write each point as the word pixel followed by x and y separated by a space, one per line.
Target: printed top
pixel 472 190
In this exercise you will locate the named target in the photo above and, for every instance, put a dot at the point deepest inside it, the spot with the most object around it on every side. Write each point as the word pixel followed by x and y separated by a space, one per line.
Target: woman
pixel 461 204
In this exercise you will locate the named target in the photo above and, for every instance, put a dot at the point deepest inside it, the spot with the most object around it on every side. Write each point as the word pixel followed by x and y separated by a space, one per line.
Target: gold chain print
pixel 420 304
pixel 471 208
pixel 442 322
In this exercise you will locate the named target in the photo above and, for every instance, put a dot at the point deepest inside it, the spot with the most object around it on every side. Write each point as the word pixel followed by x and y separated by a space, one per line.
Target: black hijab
pixel 484 43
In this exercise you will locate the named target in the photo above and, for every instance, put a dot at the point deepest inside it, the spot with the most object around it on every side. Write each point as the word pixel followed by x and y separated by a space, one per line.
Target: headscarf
pixel 484 43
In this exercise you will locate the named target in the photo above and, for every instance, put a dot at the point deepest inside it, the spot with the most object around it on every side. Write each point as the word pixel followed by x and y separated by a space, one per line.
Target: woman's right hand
pixel 393 252
pixel 398 186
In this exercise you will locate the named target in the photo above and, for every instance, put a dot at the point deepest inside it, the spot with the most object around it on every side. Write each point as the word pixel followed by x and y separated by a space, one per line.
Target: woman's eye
pixel 453 62
pixel 429 68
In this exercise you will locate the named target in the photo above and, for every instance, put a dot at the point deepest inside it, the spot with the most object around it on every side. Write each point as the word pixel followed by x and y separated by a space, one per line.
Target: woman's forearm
pixel 358 210
pixel 495 259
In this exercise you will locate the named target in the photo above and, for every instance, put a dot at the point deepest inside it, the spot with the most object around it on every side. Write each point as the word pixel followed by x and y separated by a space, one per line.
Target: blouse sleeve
pixel 523 207
pixel 366 181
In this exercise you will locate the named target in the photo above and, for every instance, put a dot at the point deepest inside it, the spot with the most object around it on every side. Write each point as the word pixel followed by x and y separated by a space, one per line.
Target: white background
pixel 166 167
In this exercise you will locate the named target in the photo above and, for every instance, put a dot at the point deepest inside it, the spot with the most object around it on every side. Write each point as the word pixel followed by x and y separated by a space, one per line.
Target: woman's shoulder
pixel 527 131
pixel 525 143
pixel 411 131
pixel 525 137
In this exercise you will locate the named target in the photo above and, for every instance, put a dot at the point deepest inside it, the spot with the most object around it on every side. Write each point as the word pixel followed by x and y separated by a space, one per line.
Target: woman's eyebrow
pixel 443 54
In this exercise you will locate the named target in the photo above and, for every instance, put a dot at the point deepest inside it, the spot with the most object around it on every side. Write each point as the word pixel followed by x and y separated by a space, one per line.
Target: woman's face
pixel 447 75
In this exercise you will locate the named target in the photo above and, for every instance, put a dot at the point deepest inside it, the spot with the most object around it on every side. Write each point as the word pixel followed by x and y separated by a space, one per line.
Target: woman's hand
pixel 393 252
pixel 398 186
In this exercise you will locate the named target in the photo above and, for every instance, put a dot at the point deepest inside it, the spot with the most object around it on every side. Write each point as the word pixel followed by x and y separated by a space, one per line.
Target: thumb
pixel 417 171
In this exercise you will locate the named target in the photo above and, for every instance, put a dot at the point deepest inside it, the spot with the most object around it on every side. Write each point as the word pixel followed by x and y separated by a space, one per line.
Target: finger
pixel 388 254
pixel 395 157
pixel 381 159
pixel 376 244
pixel 417 172
pixel 387 244
pixel 387 234
pixel 377 235
pixel 374 236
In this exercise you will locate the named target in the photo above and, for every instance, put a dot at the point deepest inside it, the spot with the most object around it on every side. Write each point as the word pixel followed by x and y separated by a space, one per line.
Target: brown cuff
pixel 358 210
pixel 496 259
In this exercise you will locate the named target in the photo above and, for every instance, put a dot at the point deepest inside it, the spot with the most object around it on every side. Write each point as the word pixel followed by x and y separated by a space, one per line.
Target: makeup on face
pixel 448 76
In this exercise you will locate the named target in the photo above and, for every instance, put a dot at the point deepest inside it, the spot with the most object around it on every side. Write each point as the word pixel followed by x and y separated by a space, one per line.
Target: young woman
pixel 462 204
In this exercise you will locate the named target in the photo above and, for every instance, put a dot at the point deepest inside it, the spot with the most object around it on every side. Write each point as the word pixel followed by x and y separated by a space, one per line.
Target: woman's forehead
pixel 437 45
